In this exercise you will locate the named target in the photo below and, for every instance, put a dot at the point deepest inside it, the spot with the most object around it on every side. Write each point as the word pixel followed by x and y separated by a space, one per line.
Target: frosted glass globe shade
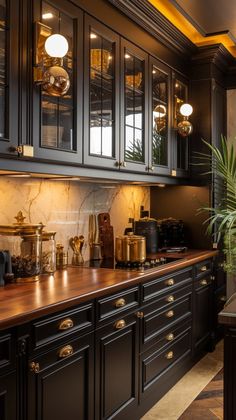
pixel 56 46
pixel 186 110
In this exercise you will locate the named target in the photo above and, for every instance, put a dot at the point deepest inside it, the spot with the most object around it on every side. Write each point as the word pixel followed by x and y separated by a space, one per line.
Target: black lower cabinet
pixel 116 376
pixel 202 320
pixel 8 410
pixel 60 382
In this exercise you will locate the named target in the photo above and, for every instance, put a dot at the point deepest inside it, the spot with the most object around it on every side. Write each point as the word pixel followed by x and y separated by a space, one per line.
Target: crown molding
pixel 150 19
pixel 214 54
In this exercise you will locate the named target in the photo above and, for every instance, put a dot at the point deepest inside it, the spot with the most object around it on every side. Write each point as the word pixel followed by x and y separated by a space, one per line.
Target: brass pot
pixel 130 248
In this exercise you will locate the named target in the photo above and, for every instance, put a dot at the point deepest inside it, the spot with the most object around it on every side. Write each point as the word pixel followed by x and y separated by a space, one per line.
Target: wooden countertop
pixel 228 315
pixel 22 302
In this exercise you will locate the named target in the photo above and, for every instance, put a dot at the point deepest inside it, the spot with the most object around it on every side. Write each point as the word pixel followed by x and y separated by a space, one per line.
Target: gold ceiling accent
pixel 181 22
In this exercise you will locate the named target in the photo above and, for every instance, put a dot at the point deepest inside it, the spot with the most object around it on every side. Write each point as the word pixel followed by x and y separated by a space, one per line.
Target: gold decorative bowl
pixel 99 60
pixel 134 81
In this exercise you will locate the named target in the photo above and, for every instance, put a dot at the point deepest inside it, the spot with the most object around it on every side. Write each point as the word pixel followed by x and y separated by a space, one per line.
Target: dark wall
pixel 183 202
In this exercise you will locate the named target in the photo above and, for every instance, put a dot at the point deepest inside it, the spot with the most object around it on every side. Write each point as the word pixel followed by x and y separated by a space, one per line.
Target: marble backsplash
pixel 65 206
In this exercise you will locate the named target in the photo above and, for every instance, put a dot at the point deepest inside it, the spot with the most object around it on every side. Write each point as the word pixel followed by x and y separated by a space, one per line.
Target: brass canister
pixel 130 248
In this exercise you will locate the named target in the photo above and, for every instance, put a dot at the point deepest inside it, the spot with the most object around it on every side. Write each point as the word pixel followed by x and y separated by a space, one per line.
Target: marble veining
pixel 64 206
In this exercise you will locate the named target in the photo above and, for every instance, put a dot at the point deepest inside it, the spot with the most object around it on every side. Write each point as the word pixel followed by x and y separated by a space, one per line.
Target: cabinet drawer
pixel 156 320
pixel 152 289
pixel 117 304
pixel 203 268
pixel 155 362
pixel 7 352
pixel 59 326
pixel 202 282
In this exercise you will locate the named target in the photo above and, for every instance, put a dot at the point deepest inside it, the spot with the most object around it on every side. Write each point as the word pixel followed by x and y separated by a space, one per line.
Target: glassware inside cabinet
pixel 57 112
pixel 180 97
pixel 134 108
pixel 3 86
pixel 102 78
pixel 159 117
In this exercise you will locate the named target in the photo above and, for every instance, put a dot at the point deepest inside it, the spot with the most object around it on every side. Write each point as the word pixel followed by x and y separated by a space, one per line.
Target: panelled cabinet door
pixel 116 388
pixel 180 144
pixel 134 110
pixel 159 118
pixel 57 120
pixel 9 77
pixel 101 95
pixel 8 407
pixel 202 314
pixel 60 382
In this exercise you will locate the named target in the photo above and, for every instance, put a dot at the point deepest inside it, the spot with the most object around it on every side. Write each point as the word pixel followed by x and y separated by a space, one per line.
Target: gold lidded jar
pixel 48 260
pixel 24 242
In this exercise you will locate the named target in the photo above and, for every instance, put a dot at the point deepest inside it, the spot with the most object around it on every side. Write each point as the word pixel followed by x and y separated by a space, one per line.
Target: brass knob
pixel 203 282
pixel 169 355
pixel 213 278
pixel 140 314
pixel 120 324
pixel 34 367
pixel 170 282
pixel 66 324
pixel 66 351
pixel 170 337
pixel 223 298
pixel 203 268
pixel 169 314
pixel 120 302
pixel 170 298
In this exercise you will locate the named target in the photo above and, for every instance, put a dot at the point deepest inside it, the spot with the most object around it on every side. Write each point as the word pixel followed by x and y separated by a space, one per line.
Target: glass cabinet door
pixel 101 95
pixel 9 59
pixel 58 136
pixel 134 141
pixel 159 118
pixel 180 159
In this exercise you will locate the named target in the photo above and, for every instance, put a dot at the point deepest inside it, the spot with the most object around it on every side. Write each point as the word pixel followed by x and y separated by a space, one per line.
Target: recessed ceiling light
pixel 47 16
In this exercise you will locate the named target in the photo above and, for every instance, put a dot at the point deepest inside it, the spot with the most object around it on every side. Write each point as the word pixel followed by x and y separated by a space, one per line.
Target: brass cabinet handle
pixel 203 268
pixel 169 314
pixel 170 282
pixel 140 314
pixel 66 324
pixel 120 324
pixel 170 298
pixel 170 337
pixel 213 278
pixel 169 355
pixel 34 367
pixel 223 298
pixel 120 302
pixel 66 351
pixel 203 282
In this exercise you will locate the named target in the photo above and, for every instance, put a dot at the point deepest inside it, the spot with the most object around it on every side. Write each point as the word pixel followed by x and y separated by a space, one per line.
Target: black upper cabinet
pixel 134 108
pixel 57 120
pixel 101 95
pixel 159 118
pixel 9 74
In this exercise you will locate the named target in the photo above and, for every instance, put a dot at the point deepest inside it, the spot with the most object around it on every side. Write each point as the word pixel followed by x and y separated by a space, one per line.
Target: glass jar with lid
pixel 24 243
pixel 48 261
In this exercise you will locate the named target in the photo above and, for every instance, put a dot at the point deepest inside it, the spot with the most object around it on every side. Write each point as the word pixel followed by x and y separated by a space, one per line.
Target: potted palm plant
pixel 222 217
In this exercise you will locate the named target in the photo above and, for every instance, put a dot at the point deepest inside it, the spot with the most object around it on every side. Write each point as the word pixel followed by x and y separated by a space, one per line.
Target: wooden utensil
pixel 106 235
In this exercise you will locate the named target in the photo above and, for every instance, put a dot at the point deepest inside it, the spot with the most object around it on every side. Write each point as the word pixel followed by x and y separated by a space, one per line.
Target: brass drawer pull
pixel 170 282
pixel 34 367
pixel 203 268
pixel 66 324
pixel 66 351
pixel 120 302
pixel 170 337
pixel 169 355
pixel 223 298
pixel 140 314
pixel 169 314
pixel 170 299
pixel 203 282
pixel 120 324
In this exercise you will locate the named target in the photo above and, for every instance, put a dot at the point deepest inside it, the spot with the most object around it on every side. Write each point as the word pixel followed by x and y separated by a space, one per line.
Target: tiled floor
pixel 176 401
